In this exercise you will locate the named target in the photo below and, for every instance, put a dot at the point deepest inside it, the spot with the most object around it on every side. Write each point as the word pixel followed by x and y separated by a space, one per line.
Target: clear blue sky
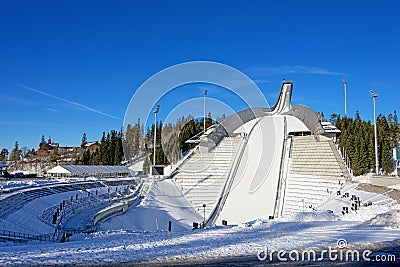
pixel 68 67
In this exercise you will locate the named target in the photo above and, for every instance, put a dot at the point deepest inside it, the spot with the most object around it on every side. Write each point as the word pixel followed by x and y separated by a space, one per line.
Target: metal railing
pixel 346 159
pixel 281 170
pixel 6 235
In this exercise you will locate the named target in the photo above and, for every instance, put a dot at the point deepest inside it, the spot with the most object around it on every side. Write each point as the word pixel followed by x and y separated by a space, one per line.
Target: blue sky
pixel 68 67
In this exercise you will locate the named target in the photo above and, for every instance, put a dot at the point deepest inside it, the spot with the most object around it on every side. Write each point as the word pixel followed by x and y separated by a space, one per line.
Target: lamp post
pixel 204 215
pixel 155 133
pixel 374 96
pixel 345 96
pixel 204 124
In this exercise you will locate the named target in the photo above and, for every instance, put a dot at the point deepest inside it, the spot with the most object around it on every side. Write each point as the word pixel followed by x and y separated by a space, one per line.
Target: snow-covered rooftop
pixel 87 169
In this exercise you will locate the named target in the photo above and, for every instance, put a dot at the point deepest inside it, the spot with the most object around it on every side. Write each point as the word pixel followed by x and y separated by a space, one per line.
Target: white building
pixel 99 171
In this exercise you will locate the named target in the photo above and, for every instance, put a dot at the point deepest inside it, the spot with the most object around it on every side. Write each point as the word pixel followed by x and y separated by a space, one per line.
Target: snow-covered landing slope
pixel 163 203
pixel 124 247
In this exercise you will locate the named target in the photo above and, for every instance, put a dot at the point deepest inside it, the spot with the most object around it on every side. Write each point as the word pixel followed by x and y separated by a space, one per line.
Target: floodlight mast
pixel 374 96
pixel 204 120
pixel 345 96
pixel 155 133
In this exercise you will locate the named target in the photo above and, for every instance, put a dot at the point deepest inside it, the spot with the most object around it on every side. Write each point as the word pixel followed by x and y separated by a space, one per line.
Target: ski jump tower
pixel 263 163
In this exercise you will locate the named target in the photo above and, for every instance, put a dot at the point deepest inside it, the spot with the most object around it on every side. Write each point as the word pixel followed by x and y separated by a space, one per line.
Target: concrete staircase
pixel 315 174
pixel 202 177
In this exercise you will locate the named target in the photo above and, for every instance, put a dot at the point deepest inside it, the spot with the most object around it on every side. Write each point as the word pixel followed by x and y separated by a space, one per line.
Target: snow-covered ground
pixel 163 203
pixel 112 247
pixel 141 236
pixel 18 184
pixel 397 186
pixel 363 179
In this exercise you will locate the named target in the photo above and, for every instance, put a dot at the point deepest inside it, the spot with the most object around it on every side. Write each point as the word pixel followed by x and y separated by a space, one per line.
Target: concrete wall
pixel 384 181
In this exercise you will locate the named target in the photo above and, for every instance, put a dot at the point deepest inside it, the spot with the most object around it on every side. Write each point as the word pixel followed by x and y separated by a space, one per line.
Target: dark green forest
pixel 109 151
pixel 357 139
pixel 115 147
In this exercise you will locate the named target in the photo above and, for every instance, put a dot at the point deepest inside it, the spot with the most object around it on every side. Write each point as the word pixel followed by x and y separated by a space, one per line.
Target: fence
pixel 6 235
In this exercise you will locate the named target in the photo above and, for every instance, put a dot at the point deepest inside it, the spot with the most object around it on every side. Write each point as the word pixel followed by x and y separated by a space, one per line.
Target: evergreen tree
pixel 385 157
pixel 4 155
pixel 16 153
pixel 85 160
pixel 84 141
pixel 146 165
pixel 357 139
pixel 43 144
pixel 54 155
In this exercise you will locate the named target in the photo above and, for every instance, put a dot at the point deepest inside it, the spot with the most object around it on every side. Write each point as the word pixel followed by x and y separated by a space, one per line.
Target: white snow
pixel 397 186
pixel 26 183
pixel 363 179
pixel 163 203
pixel 134 237
pixel 245 240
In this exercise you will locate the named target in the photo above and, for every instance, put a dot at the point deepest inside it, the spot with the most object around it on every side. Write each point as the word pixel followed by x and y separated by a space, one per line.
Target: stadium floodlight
pixel 155 133
pixel 204 217
pixel 374 96
pixel 204 120
pixel 345 96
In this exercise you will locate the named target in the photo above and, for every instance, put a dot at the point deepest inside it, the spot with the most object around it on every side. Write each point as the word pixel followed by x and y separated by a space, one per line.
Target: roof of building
pixel 91 143
pixel 81 169
pixel 2 165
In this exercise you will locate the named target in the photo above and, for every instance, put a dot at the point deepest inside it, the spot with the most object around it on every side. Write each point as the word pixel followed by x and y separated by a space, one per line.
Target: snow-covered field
pixel 220 242
pixel 6 186
pixel 140 235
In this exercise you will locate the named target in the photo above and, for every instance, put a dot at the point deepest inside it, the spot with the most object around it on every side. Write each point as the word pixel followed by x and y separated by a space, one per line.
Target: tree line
pixel 357 139
pixel 108 152
pixel 171 140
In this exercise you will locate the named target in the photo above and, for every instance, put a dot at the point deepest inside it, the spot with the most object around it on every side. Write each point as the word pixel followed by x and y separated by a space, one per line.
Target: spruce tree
pixel 84 140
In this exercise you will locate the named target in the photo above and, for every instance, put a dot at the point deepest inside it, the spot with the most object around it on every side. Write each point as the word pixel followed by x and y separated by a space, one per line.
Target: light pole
pixel 374 96
pixel 205 94
pixel 155 133
pixel 345 96
pixel 204 217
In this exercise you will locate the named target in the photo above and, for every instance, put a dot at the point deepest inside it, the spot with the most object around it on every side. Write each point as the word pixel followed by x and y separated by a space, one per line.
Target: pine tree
pixel 4 155
pixel 84 141
pixel 16 153
pixel 357 138
pixel 385 157
pixel 146 165
pixel 43 144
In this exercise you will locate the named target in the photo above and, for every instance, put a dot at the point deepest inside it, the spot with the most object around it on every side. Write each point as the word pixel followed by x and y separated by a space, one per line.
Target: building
pixel 3 168
pixel 98 171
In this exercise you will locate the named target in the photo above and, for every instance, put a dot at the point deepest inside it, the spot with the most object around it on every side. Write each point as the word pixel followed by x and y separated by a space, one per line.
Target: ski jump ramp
pixel 262 180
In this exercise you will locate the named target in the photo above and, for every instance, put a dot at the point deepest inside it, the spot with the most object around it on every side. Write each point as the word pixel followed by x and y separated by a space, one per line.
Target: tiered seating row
pixel 202 177
pixel 314 174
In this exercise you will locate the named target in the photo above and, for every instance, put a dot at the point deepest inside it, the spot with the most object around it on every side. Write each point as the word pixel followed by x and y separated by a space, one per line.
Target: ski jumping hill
pixel 263 163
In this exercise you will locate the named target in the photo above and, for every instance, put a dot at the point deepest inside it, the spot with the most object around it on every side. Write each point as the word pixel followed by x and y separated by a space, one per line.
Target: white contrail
pixel 68 101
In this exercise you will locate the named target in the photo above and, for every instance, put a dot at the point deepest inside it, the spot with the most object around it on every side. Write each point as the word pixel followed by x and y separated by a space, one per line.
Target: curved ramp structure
pixel 280 160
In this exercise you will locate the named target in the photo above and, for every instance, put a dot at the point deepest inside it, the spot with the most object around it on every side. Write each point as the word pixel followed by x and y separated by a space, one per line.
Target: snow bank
pixel 363 179
pixel 162 203
pixel 391 218
pixel 397 186
pixel 315 216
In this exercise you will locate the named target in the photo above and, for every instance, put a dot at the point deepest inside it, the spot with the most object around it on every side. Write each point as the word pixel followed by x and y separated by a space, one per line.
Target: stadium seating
pixel 314 174
pixel 202 177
